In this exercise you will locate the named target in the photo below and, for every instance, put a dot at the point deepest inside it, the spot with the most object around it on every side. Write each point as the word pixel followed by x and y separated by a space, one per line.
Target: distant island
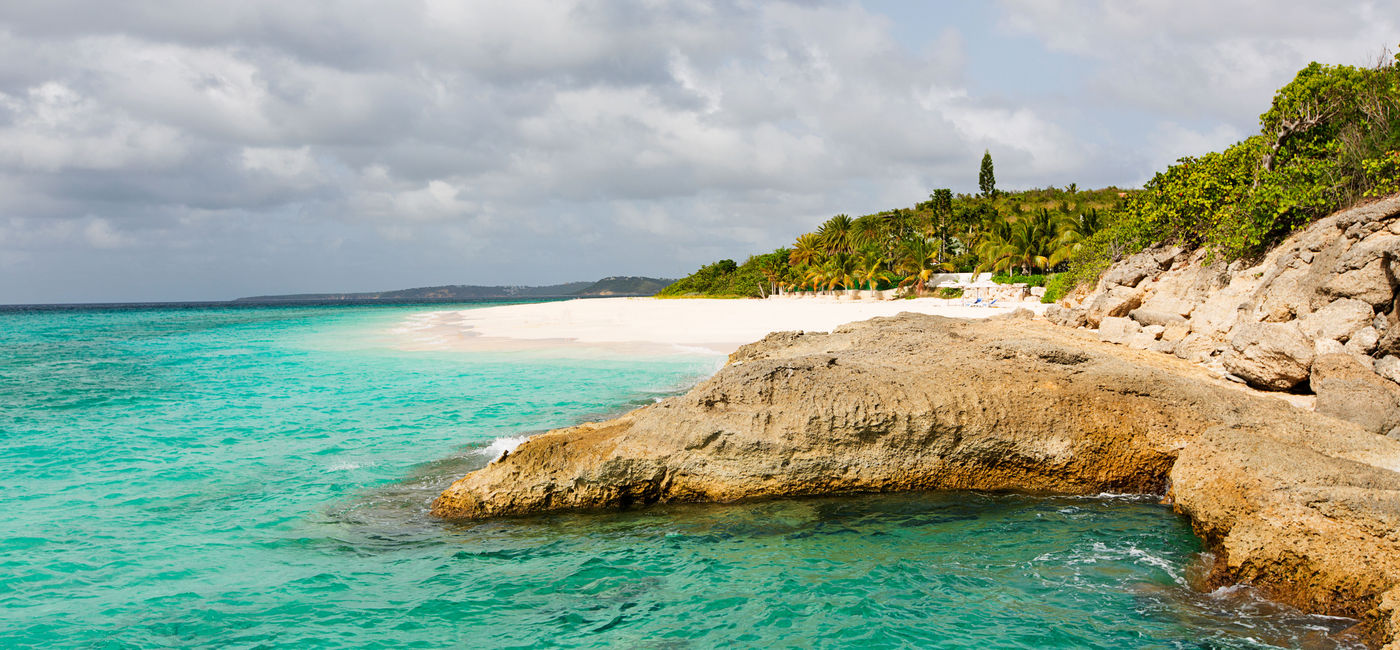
pixel 607 287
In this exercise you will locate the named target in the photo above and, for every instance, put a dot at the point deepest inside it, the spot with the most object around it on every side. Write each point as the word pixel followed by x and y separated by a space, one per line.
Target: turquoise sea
pixel 259 477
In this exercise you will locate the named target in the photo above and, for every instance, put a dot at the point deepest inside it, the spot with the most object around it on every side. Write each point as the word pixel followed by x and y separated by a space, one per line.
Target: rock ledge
pixel 1302 505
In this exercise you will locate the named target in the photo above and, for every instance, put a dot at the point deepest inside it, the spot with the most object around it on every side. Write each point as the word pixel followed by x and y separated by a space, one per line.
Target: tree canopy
pixel 1330 138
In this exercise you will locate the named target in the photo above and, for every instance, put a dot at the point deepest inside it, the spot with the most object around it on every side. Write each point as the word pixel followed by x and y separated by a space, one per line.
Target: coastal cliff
pixel 1315 315
pixel 1300 504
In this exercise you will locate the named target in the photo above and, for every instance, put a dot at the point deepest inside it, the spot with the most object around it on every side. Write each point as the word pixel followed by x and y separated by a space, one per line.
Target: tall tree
pixel 987 179
pixel 942 203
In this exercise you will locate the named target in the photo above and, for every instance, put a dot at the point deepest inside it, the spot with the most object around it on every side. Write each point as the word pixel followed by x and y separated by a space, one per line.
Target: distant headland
pixel 606 287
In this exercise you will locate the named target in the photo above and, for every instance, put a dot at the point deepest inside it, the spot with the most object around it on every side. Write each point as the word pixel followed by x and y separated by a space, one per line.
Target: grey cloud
pixel 1205 58
pixel 203 150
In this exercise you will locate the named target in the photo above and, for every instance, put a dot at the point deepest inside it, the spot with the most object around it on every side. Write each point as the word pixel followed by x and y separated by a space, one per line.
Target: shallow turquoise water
pixel 256 477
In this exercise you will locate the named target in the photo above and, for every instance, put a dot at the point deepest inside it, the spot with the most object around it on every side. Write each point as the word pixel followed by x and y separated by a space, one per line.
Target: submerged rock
pixel 921 402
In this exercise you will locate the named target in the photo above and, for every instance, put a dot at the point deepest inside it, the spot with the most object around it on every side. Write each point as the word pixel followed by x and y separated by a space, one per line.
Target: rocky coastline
pixel 1300 504
pixel 1316 316
pixel 1303 504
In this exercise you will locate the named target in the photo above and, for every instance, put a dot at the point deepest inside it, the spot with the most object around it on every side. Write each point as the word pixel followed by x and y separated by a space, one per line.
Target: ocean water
pixel 260 477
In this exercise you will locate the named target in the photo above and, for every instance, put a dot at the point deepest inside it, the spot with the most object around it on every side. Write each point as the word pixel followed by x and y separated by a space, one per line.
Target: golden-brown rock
pixel 1301 504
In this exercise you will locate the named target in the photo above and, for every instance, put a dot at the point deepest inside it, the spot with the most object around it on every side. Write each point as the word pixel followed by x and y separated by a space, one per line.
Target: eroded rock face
pixel 1348 390
pixel 1307 514
pixel 1335 282
pixel 900 404
pixel 1298 503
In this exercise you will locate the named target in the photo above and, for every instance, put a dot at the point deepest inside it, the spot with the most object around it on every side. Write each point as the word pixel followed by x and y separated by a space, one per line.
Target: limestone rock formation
pixel 1305 514
pixel 1334 283
pixel 1350 391
pixel 920 402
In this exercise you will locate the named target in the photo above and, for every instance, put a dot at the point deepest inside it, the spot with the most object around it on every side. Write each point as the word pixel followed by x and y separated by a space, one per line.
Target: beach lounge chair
pixel 991 303
pixel 975 303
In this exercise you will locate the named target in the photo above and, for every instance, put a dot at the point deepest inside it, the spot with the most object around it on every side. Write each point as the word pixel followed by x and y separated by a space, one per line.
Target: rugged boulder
pixel 920 402
pixel 1338 320
pixel 1154 317
pixel 1116 302
pixel 1140 266
pixel 1116 329
pixel 1275 356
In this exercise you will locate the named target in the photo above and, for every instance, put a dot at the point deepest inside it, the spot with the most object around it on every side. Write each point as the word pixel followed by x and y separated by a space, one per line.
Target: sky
pixel 156 151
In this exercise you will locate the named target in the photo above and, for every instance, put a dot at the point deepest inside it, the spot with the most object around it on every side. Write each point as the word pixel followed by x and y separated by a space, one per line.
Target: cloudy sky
pixel 189 150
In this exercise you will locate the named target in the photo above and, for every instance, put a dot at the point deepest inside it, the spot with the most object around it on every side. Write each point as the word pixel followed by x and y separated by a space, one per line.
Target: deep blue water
pixel 215 476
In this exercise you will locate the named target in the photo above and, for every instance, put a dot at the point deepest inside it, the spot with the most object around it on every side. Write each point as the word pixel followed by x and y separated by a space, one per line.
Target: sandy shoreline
pixel 650 325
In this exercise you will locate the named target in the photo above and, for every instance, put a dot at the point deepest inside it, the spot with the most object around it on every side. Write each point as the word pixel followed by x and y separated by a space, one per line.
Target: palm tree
pixel 1025 243
pixel 871 268
pixel 772 266
pixel 1074 231
pixel 806 251
pixel 917 261
pixel 835 234
pixel 815 277
pixel 839 270
pixel 869 231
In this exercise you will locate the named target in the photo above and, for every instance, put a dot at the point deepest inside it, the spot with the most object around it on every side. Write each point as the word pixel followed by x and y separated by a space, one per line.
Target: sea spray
pixel 501 446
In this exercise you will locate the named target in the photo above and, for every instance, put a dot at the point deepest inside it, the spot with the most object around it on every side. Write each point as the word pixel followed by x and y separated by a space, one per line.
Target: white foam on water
pixel 501 446
pixel 1222 592
pixel 343 467
pixel 1153 560
pixel 1098 551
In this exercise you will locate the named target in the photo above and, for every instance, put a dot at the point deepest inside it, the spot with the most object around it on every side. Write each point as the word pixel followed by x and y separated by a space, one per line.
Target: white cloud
pixel 54 128
pixel 1171 141
pixel 1204 58
pixel 99 233
pixel 656 133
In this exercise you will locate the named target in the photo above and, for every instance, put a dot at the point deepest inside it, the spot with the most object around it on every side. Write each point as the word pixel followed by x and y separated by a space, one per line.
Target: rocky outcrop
pixel 1308 515
pixel 1330 288
pixel 920 402
pixel 1348 390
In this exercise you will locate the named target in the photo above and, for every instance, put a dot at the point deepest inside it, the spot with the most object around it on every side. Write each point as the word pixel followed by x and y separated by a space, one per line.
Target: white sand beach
pixel 653 325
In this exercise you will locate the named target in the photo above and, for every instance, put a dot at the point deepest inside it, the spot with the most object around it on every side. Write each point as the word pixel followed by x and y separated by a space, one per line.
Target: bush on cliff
pixel 1329 139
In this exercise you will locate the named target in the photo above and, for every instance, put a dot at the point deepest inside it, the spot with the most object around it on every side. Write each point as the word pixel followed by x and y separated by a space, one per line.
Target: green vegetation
pixel 1037 280
pixel 1330 138
pixel 986 177
pixel 997 231
pixel 624 286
